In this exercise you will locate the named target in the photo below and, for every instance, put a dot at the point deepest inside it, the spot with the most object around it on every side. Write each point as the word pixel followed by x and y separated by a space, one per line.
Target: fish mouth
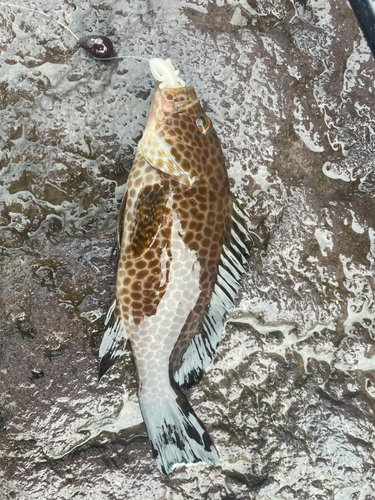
pixel 175 99
pixel 156 143
pixel 159 101
pixel 166 99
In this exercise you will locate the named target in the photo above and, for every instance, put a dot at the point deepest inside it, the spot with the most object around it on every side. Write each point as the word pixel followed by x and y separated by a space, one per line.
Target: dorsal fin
pixel 114 340
pixel 120 221
pixel 203 345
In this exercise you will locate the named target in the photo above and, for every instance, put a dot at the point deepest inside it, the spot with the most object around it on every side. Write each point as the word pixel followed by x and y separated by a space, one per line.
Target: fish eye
pixel 203 123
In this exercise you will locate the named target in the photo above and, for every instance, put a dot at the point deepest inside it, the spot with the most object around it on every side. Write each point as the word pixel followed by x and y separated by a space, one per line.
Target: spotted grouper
pixel 183 242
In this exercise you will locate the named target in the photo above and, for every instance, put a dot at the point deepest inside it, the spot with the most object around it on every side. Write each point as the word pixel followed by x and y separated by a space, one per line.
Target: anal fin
pixel 113 343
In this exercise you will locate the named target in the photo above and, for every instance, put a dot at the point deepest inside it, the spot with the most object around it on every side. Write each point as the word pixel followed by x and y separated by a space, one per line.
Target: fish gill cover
pixel 289 397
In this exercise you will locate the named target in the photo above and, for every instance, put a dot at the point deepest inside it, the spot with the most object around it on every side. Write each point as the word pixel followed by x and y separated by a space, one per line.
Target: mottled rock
pixel 289 399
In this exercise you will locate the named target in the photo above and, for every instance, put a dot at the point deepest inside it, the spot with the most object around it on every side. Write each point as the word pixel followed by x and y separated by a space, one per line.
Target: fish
pixel 183 244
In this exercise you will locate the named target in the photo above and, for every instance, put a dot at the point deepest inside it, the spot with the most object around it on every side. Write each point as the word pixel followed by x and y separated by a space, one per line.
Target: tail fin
pixel 176 434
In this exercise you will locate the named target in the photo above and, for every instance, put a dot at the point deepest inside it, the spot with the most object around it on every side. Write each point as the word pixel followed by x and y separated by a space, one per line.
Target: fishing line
pixel 98 46
pixel 101 48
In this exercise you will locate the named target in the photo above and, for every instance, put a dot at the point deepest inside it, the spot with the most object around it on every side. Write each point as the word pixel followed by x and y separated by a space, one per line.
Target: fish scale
pixel 182 246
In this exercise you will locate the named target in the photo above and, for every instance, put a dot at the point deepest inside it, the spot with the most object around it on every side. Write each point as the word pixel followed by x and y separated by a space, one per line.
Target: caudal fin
pixel 176 434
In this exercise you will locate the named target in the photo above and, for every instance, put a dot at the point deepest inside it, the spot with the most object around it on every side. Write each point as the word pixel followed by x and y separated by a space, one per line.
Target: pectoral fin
pixel 148 217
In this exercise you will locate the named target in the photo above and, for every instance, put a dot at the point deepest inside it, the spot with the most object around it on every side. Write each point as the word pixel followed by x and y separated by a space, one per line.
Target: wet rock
pixel 289 399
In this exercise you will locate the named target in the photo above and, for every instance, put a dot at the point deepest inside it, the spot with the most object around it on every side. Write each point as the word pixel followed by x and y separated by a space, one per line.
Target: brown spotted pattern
pixel 200 198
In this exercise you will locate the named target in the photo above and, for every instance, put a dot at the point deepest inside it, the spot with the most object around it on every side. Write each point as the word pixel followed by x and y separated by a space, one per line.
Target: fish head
pixel 179 138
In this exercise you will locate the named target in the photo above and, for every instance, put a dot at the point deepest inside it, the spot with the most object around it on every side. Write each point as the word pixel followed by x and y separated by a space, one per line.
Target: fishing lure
pixel 182 245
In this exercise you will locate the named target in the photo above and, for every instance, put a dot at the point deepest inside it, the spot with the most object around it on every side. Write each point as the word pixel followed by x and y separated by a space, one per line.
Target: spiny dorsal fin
pixel 120 221
pixel 113 342
pixel 203 345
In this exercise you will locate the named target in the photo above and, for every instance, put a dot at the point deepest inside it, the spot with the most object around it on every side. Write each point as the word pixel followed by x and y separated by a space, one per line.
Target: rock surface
pixel 290 397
